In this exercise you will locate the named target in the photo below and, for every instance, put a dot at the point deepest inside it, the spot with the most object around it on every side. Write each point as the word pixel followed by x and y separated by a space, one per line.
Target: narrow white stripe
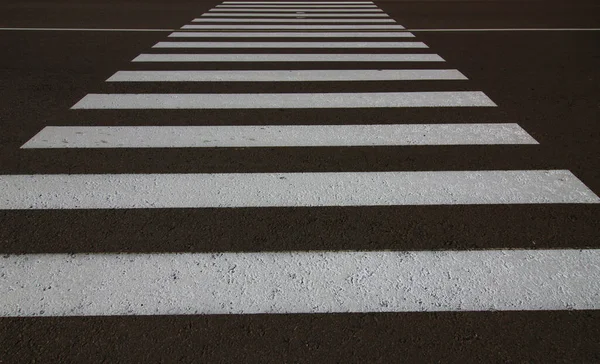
pixel 297 6
pixel 298 282
pixel 284 15
pixel 299 2
pixel 285 76
pixel 263 45
pixel 508 30
pixel 88 29
pixel 298 57
pixel 291 35
pixel 277 136
pixel 285 101
pixel 285 27
pixel 135 191
pixel 298 10
pixel 295 27
pixel 272 20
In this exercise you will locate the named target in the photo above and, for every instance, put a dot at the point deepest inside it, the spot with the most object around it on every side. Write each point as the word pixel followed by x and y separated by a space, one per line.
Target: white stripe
pixel 268 27
pixel 88 29
pixel 272 20
pixel 298 282
pixel 509 30
pixel 285 76
pixel 299 7
pixel 263 45
pixel 147 191
pixel 295 27
pixel 277 136
pixel 285 100
pixel 283 15
pixel 298 57
pixel 298 10
pixel 291 35
pixel 298 2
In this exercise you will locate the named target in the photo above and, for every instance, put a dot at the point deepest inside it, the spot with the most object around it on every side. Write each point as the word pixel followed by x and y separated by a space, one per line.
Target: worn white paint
pixel 295 57
pixel 297 15
pixel 294 27
pixel 298 2
pixel 276 136
pixel 290 35
pixel 286 76
pixel 262 45
pixel 285 100
pixel 215 190
pixel 299 7
pixel 296 10
pixel 272 20
pixel 298 282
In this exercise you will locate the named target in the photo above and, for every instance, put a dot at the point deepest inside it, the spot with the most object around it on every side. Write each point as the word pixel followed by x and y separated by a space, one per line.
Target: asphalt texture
pixel 546 81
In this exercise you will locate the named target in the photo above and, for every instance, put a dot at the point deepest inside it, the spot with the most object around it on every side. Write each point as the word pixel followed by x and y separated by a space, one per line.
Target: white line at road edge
pixel 216 26
pixel 286 100
pixel 224 190
pixel 287 76
pixel 277 136
pixel 295 57
pixel 298 282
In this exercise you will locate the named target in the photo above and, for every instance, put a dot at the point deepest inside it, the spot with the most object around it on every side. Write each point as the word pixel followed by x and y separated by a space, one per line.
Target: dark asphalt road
pixel 546 81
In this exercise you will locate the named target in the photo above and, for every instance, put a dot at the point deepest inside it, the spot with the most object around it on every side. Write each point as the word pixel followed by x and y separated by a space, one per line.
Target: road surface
pixel 299 182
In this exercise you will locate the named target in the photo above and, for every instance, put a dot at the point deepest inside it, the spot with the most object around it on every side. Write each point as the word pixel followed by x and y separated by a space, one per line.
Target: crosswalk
pixel 240 282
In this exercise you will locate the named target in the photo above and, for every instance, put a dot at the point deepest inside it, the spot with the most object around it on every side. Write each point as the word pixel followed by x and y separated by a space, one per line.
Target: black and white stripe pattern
pixel 301 268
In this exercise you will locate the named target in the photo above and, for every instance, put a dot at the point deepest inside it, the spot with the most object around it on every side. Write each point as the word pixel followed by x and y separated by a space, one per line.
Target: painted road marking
pixel 298 2
pixel 296 6
pixel 297 57
pixel 216 190
pixel 286 100
pixel 277 136
pixel 295 27
pixel 263 45
pixel 286 76
pixel 299 7
pixel 299 10
pixel 291 35
pixel 311 15
pixel 272 20
pixel 298 282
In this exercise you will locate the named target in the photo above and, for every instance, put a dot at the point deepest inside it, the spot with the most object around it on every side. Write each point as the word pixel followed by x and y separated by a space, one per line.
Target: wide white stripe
pixel 285 76
pixel 291 35
pixel 295 27
pixel 297 57
pixel 263 45
pixel 276 136
pixel 298 10
pixel 285 100
pixel 283 15
pixel 136 191
pixel 298 282
pixel 272 20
